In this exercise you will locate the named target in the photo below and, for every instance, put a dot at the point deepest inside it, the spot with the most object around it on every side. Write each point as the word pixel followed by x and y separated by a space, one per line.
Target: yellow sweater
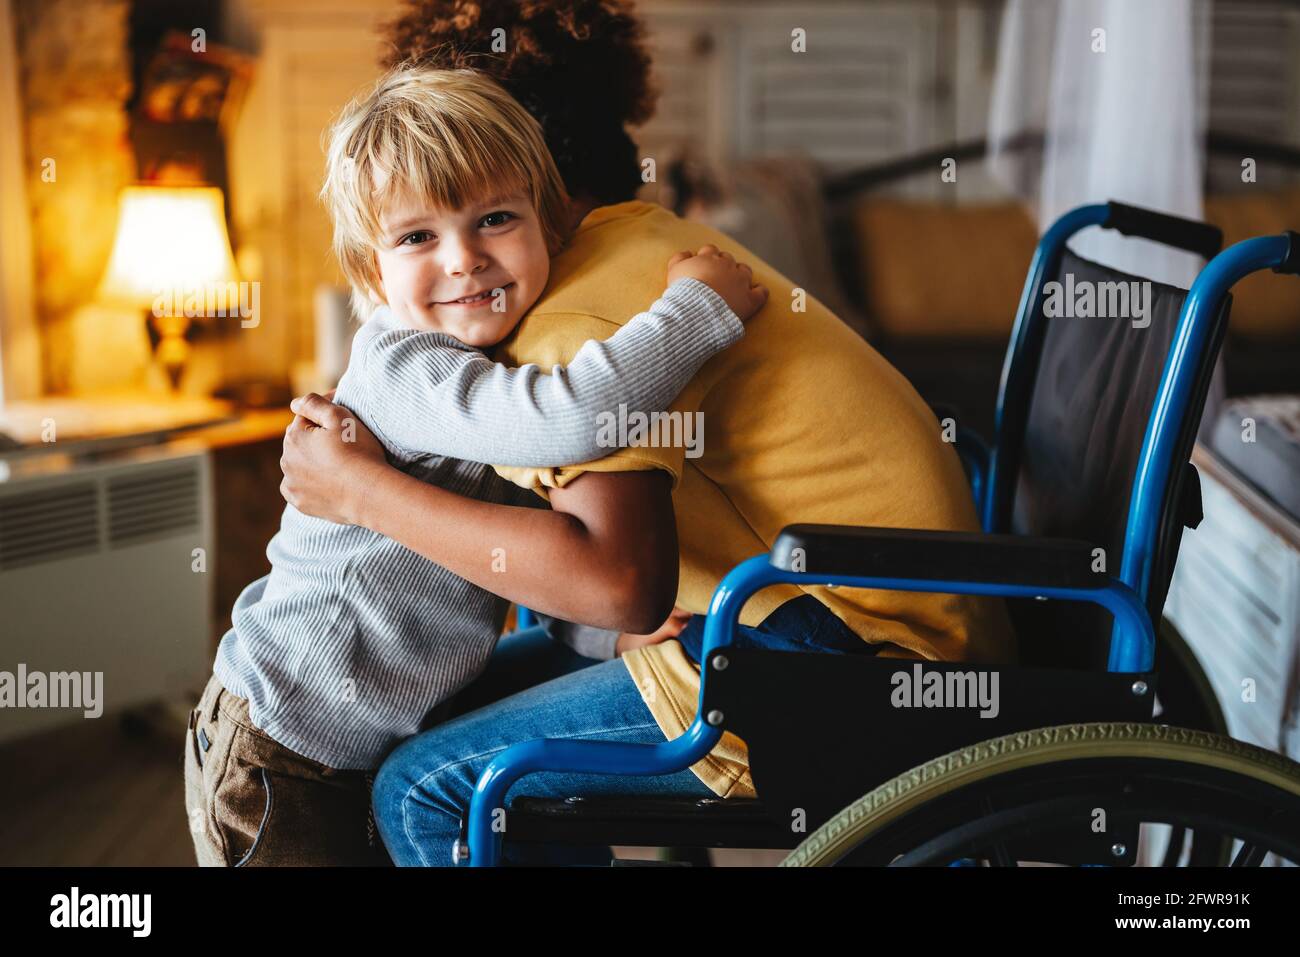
pixel 803 422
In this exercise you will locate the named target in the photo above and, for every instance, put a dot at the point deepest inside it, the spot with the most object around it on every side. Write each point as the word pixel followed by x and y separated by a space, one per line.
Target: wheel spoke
pixel 1174 852
pixel 1250 855
pixel 1000 858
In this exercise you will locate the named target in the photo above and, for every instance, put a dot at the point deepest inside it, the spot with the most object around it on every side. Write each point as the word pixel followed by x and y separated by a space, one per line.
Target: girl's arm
pixel 605 553
pixel 424 392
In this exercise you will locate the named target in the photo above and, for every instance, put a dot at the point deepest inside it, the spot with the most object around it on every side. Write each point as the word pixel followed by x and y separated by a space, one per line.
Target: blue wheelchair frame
pixel 1132 646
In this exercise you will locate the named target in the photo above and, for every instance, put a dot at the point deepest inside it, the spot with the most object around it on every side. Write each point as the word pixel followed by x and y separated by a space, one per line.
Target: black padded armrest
pixel 937 556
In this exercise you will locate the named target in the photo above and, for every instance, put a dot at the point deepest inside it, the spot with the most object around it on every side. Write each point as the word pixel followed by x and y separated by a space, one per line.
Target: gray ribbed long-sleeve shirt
pixel 352 638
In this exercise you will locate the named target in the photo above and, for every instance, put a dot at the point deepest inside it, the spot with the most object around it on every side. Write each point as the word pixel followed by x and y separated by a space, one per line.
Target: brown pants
pixel 251 802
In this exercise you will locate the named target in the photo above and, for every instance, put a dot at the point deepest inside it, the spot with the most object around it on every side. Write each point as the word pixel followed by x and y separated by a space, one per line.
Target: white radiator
pixel 99 574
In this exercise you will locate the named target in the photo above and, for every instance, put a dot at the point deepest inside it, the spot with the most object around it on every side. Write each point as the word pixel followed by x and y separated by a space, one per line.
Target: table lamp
pixel 171 254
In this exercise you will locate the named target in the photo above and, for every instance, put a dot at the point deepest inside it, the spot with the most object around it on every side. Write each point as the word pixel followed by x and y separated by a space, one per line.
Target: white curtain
pixel 1118 90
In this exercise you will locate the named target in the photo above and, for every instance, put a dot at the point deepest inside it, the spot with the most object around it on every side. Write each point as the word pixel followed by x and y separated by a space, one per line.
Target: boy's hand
pixel 328 460
pixel 731 280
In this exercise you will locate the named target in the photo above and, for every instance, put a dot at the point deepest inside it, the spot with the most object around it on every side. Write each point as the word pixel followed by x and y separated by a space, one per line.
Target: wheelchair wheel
pixel 1031 788
pixel 1186 699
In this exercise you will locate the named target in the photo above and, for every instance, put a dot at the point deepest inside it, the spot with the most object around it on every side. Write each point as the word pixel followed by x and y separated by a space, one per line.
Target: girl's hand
pixel 329 457
pixel 669 629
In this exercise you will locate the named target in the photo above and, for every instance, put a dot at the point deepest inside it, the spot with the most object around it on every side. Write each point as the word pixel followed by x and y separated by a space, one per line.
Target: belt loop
pixel 216 701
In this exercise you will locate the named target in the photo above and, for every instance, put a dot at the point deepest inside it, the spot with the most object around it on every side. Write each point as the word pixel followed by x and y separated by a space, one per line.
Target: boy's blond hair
pixel 450 137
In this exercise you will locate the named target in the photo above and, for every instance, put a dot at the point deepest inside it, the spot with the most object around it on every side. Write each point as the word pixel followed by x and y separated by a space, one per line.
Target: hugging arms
pixel 604 554
pixel 613 534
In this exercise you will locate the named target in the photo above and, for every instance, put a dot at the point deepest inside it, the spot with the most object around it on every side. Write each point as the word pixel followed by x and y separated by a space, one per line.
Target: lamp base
pixel 170 336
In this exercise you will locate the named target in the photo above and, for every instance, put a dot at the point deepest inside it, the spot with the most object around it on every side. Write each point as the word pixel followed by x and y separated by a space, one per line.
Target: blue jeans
pixel 423 789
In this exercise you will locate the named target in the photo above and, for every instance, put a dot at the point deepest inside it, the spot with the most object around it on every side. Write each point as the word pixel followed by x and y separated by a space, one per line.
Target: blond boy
pixel 446 209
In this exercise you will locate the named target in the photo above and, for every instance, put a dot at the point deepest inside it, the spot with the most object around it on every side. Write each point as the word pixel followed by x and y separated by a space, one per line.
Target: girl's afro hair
pixel 580 67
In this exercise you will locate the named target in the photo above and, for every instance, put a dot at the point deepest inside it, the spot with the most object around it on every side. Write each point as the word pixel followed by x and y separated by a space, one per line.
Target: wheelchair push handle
pixel 1189 234
pixel 1290 263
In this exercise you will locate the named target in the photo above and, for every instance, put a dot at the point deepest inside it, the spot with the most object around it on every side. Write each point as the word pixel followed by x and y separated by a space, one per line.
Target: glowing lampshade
pixel 168 238
pixel 171 246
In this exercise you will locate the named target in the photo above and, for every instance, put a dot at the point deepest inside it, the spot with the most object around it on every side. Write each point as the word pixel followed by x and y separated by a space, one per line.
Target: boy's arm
pixel 602 644
pixel 424 396
pixel 584 639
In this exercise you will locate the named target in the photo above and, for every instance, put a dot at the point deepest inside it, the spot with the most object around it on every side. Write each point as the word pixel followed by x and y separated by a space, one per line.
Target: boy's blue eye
pixel 500 212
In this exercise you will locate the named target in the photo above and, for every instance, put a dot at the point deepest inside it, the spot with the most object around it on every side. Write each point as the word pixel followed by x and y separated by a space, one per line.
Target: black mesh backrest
pixel 1092 397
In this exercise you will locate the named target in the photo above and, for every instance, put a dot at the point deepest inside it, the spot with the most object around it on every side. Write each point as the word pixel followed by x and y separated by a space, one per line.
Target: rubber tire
pixel 874 811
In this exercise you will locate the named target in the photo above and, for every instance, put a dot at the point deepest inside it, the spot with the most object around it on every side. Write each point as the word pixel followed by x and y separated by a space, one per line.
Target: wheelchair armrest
pixel 937 556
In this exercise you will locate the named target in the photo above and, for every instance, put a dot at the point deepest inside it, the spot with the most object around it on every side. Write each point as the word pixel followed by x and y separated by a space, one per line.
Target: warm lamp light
pixel 170 241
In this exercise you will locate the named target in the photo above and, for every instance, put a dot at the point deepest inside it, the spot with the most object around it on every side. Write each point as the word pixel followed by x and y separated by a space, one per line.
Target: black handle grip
pixel 1189 234
pixel 1291 262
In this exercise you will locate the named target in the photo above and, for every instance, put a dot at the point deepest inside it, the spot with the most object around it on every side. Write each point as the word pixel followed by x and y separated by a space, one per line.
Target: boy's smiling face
pixel 428 258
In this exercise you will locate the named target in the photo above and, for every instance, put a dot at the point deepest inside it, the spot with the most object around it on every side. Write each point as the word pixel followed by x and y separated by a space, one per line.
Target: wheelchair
pixel 1083 496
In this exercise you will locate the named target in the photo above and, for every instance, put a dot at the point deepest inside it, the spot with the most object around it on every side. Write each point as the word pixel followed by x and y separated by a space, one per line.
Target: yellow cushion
pixel 943 271
pixel 1264 305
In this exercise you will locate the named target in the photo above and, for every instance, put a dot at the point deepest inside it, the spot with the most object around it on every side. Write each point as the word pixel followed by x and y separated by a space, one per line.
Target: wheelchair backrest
pixel 1107 338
